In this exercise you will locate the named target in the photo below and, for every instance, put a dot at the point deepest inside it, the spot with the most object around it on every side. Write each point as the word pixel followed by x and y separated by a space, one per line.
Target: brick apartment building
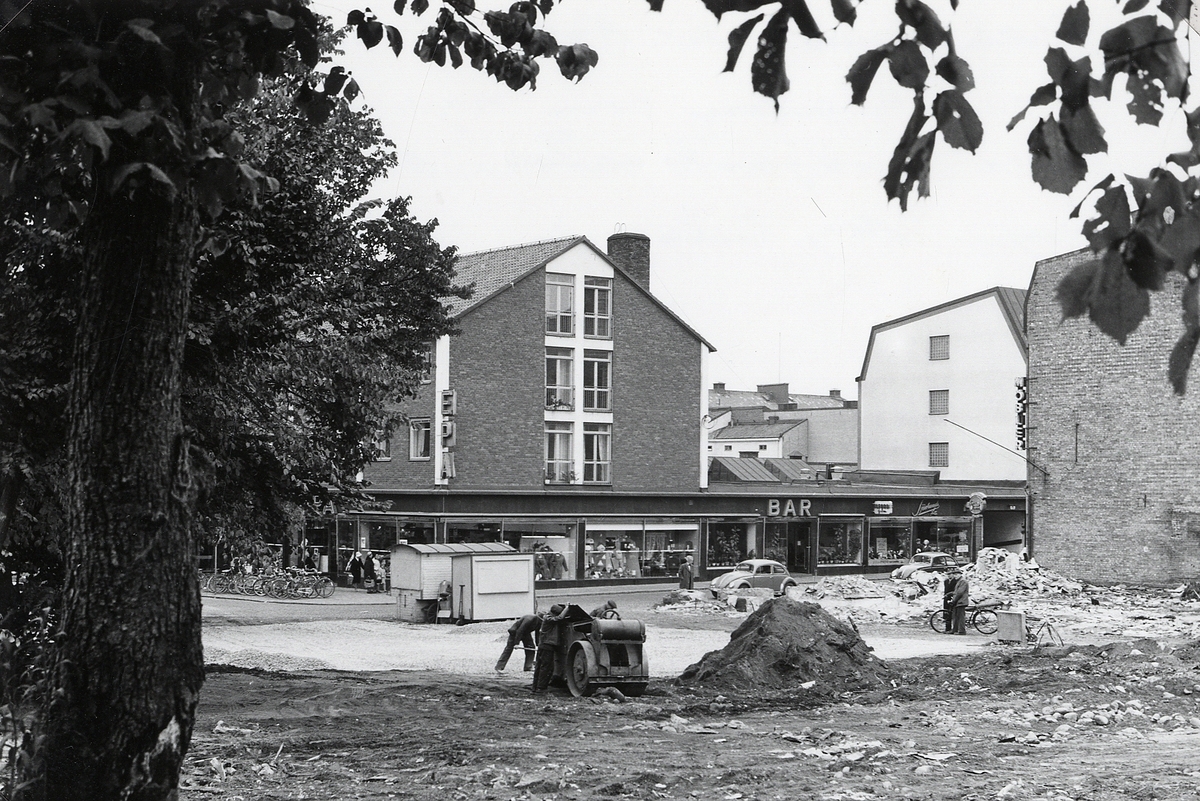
pixel 1115 486
pixel 566 410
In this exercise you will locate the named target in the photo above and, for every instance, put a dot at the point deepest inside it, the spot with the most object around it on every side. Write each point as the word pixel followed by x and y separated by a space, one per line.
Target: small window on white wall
pixel 939 401
pixel 939 454
pixel 939 347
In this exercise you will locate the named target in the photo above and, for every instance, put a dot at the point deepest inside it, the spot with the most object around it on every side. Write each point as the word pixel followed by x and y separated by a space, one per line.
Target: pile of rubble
pixel 1000 572
pixel 787 643
pixel 857 600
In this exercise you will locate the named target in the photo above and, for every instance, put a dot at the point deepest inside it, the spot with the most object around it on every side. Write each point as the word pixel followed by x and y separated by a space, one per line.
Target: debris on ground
pixel 788 643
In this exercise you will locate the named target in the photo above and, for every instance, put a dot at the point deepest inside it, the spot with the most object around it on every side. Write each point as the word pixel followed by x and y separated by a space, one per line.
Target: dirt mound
pixel 788 643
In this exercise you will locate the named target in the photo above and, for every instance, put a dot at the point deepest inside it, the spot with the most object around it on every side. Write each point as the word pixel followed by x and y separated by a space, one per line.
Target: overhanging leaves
pixel 907 64
pixel 1055 166
pixel 1103 289
pixel 957 120
pixel 737 40
pixel 909 165
pixel 863 72
pixel 768 74
pixel 1074 26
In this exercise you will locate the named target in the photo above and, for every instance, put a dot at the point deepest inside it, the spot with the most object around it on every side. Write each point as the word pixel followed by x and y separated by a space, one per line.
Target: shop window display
pixel 419 533
pixel 484 531
pixel 840 541
pixel 948 536
pixel 381 535
pixel 776 543
pixel 728 544
pixel 889 542
pixel 612 554
pixel 552 546
pixel 665 549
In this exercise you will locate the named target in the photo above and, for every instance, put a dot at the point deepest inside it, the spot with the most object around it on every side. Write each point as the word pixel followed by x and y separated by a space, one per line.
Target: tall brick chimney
pixel 631 252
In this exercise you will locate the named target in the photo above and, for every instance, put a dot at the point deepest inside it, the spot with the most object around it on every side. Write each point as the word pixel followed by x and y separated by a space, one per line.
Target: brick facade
pixel 656 396
pixel 1120 499
pixel 497 366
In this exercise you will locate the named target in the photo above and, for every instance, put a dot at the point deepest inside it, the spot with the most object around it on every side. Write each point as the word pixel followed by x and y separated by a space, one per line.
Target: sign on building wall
pixel 1022 412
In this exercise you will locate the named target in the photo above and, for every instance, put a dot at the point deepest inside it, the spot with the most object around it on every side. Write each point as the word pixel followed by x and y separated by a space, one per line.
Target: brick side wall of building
pixel 497 365
pixel 400 471
pixel 656 396
pixel 1121 501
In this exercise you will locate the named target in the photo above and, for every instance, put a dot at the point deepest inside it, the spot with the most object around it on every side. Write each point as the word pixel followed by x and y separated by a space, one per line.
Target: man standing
pixel 686 574
pixel 548 642
pixel 948 600
pixel 520 631
pixel 962 598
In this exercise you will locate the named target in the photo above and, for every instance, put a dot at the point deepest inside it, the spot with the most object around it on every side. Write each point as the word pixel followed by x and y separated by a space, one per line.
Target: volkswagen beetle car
pixel 929 561
pixel 754 573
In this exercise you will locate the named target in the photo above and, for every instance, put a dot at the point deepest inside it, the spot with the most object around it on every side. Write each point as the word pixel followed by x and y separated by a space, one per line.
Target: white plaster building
pixel 938 390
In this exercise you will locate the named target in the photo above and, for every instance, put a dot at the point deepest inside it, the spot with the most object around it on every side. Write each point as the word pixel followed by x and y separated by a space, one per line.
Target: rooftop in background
pixel 755 430
pixel 774 397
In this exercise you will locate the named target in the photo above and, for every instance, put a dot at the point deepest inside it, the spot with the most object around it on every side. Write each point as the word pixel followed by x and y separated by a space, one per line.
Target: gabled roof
pixel 491 272
pixel 756 430
pixel 1010 300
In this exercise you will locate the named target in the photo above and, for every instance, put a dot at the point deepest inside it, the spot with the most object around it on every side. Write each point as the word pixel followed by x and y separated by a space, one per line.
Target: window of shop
pixel 597 453
pixel 415 533
pixel 560 301
pixel 729 543
pixel 597 307
pixel 381 534
pixel 551 543
pixel 948 535
pixel 613 550
pixel 560 469
pixel 889 541
pixel 840 541
pixel 667 544
pixel 474 531
pixel 418 440
pixel 560 386
pixel 597 380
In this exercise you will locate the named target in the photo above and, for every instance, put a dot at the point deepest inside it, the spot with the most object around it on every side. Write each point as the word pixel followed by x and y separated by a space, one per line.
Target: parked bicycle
pixel 980 615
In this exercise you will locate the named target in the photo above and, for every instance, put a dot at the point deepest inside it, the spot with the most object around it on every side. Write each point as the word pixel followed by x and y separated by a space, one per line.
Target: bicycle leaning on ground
pixel 981 615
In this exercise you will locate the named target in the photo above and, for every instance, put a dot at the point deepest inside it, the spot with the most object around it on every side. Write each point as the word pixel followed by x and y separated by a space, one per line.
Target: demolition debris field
pixel 1112 719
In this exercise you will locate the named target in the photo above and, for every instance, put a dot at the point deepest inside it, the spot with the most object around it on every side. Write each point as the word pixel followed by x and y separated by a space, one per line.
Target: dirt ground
pixel 1116 718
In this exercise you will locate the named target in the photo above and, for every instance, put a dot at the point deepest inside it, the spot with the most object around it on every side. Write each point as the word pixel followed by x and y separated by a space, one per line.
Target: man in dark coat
pixel 520 631
pixel 948 600
pixel 548 641
pixel 962 599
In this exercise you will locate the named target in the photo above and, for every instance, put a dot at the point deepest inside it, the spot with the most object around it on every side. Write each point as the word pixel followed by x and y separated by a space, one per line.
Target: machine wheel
pixel 579 673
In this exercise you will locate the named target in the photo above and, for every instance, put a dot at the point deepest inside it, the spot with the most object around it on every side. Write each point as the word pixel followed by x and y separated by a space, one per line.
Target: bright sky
pixel 770 233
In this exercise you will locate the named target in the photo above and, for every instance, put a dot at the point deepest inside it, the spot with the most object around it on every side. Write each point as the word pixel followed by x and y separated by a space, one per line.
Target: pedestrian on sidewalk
pixel 687 574
pixel 356 570
pixel 369 573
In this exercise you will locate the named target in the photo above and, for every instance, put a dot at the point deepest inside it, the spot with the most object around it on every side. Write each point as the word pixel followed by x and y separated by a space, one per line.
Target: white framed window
pixel 597 307
pixel 419 439
pixel 597 380
pixel 560 303
pixel 939 347
pixel 597 453
pixel 560 468
pixel 939 454
pixel 939 401
pixel 560 382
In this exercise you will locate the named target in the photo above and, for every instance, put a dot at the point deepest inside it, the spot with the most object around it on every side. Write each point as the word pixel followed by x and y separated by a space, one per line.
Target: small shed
pixel 420 573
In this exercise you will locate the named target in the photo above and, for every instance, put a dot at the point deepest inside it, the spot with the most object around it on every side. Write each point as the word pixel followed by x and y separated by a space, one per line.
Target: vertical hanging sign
pixel 1022 412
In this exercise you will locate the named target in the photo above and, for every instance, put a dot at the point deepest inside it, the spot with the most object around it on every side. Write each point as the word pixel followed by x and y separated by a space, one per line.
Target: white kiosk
pixel 462 582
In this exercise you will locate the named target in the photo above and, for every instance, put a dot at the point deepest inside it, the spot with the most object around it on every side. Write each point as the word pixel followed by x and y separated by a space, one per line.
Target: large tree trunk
pixel 129 665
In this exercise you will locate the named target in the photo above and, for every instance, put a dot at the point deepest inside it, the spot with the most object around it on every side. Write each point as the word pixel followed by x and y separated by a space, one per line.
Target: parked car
pixel 754 573
pixel 929 561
